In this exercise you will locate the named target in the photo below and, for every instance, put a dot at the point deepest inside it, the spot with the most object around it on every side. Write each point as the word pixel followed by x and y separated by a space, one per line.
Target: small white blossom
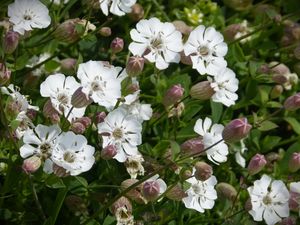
pixel 25 124
pixel 28 14
pixel 124 217
pixel 201 195
pixel 102 82
pixel 212 134
pixel 269 200
pixel 60 90
pixel 158 42
pixel 225 84
pixel 73 153
pixel 39 141
pixel 116 7
pixel 207 49
pixel 239 151
pixel 123 131
pixel 134 166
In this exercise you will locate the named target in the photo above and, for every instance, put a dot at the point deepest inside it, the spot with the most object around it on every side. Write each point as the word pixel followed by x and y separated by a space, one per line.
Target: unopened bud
pixel 31 164
pixel 279 69
pixel 80 99
pixel 231 31
pixel 193 146
pixel 78 128
pixel 185 59
pixel 294 163
pixel 105 31
pixel 11 41
pixel 292 103
pixel 60 171
pixel 256 164
pixel 50 112
pixel 120 203
pixel 203 171
pixel 173 95
pixel 135 193
pixel 185 174
pixel 202 90
pixel 236 130
pixel 227 191
pixel 117 45
pixel 134 87
pixel 31 113
pixel 100 116
pixel 4 74
pixel 67 31
pixel 248 205
pixel 182 27
pixel 176 193
pixel 177 110
pixel 137 12
pixel 288 221
pixel 238 5
pixel 68 66
pixel 264 68
pixel 151 190
pixel 276 91
pixel 135 65
pixel 109 152
pixel 279 79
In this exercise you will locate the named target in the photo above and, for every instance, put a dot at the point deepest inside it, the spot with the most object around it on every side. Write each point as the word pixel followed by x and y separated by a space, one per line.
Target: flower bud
pixel 185 59
pixel 135 65
pixel 135 193
pixel 132 88
pixel 77 128
pixel 294 163
pixel 292 103
pixel 276 91
pixel 105 31
pixel 60 171
pixel 231 31
pixel 226 191
pixel 256 164
pixel 31 113
pixel 264 68
pixel 67 32
pixel 185 174
pixel 176 111
pixel 108 152
pixel 238 5
pixel 176 193
pixel 11 41
pixel 203 171
pixel 117 45
pixel 182 27
pixel 120 203
pixel 100 116
pixel 4 74
pixel 173 95
pixel 32 164
pixel 248 205
pixel 137 12
pixel 68 66
pixel 279 69
pixel 192 146
pixel 288 221
pixel 50 112
pixel 202 91
pixel 80 99
pixel 236 130
pixel 151 190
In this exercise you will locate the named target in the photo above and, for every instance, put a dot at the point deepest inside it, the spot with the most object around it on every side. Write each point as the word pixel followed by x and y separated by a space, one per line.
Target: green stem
pixel 60 197
pixel 161 10
pixel 36 199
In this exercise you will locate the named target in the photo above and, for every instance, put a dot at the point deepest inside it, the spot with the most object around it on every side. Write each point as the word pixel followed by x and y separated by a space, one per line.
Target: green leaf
pixel 51 65
pixel 238 53
pixel 283 164
pixel 109 220
pixel 54 182
pixel 161 148
pixel 267 125
pixel 217 110
pixel 270 142
pixel 294 124
pixel 175 148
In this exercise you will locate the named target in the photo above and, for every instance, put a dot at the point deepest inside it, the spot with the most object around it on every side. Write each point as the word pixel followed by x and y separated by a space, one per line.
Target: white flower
pixel 39 141
pixel 117 7
pixel 239 151
pixel 140 111
pixel 294 200
pixel 158 42
pixel 60 90
pixel 124 216
pixel 207 50
pixel 269 200
pixel 59 2
pixel 212 134
pixel 35 60
pixel 123 131
pixel 225 85
pixel 73 153
pixel 25 124
pixel 201 195
pixel 134 166
pixel 28 14
pixel 102 82
pixel 162 186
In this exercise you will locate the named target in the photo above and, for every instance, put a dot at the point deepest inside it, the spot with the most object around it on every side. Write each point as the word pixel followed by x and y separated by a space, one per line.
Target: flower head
pixel 158 42
pixel 116 7
pixel 269 200
pixel 28 14
pixel 153 188
pixel 207 49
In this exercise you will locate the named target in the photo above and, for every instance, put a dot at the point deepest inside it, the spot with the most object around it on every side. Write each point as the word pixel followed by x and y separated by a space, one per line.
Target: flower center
pixel 156 43
pixel 196 188
pixel 267 200
pixel 27 17
pixel 63 98
pixel 45 149
pixel 96 86
pixel 117 133
pixel 69 157
pixel 203 50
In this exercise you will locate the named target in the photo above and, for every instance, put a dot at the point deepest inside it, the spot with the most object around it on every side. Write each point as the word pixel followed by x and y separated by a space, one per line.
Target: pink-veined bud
pixel 182 27
pixel 203 171
pixel 100 116
pixel 134 194
pixel 50 112
pixel 80 99
pixel 236 130
pixel 109 152
pixel 202 90
pixel 31 113
pixel 294 163
pixel 292 103
pixel 288 221
pixel 151 190
pixel 192 146
pixel 230 32
pixel 185 59
pixel 105 31
pixel 227 191
pixel 78 128
pixel 173 95
pixel 117 45
pixel 137 12
pixel 32 164
pixel 67 31
pixel 135 65
pixel 60 171
pixel 68 66
pixel 5 74
pixel 256 164
pixel 11 41
pixel 176 193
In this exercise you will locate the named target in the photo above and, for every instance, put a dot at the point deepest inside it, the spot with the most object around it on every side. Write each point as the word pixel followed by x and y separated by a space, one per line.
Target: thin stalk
pixel 36 199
